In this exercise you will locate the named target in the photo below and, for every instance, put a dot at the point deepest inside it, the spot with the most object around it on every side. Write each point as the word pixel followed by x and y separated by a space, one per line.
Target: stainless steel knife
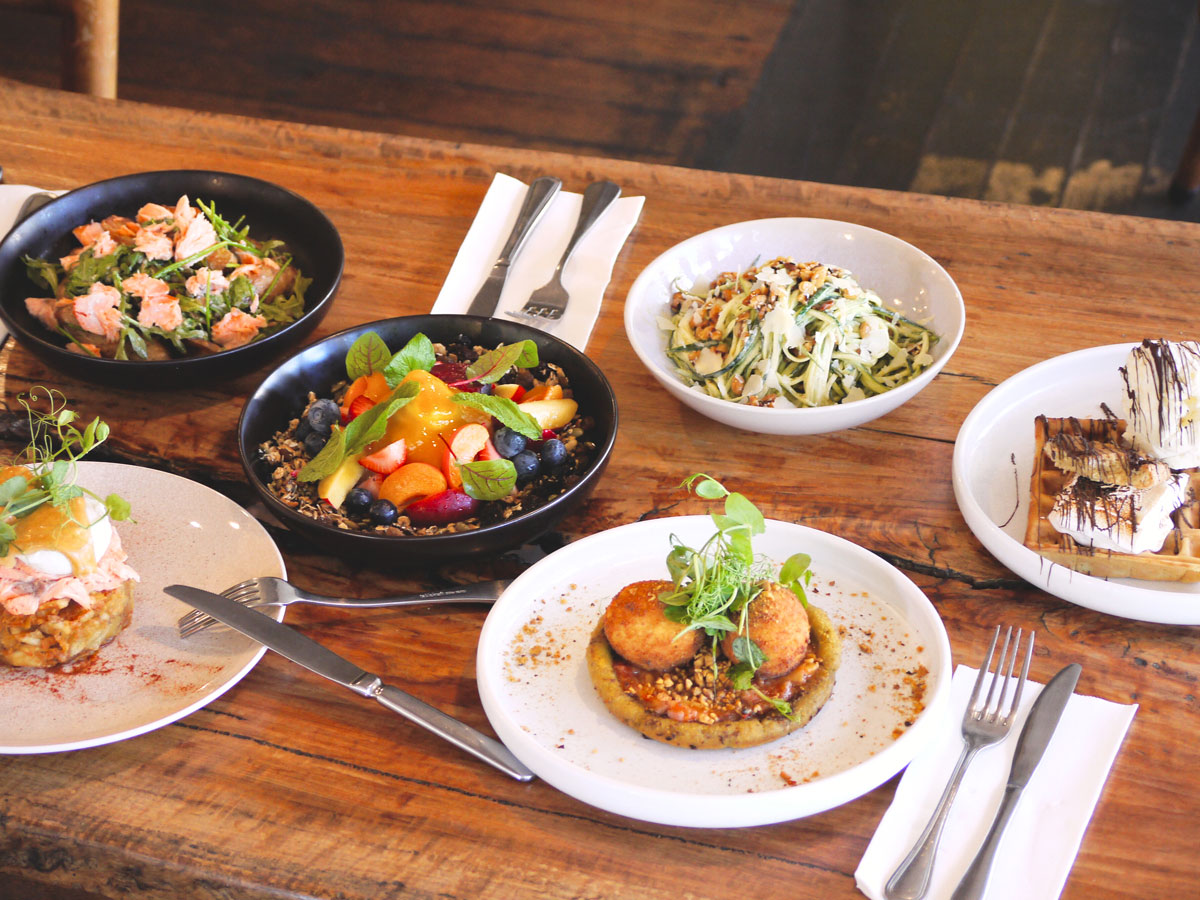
pixel 541 192
pixel 1035 735
pixel 301 649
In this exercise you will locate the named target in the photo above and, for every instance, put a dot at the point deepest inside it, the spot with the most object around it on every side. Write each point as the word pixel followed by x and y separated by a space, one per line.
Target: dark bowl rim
pixel 273 340
pixel 286 513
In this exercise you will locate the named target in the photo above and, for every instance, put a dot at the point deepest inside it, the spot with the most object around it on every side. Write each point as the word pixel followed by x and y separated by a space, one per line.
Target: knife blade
pixel 537 198
pixel 315 657
pixel 1035 736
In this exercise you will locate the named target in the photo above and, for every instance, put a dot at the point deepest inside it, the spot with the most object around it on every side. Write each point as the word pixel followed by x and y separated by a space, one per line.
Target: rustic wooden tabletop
pixel 287 786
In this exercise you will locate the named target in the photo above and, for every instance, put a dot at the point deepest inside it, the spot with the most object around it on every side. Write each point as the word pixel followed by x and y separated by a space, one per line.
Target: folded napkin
pixel 12 198
pixel 585 277
pixel 1043 836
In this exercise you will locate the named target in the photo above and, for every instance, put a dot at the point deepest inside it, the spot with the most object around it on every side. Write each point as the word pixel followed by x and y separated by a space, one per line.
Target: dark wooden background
pixel 1076 103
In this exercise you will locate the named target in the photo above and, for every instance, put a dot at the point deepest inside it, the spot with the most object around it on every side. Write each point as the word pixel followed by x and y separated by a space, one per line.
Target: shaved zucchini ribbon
pixel 825 355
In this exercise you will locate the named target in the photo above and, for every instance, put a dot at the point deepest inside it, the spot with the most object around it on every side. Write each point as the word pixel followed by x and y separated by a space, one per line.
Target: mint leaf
pixel 505 410
pixel 418 353
pixel 371 425
pixel 489 479
pixel 495 364
pixel 367 354
pixel 327 461
pixel 117 506
pixel 741 676
pixel 746 651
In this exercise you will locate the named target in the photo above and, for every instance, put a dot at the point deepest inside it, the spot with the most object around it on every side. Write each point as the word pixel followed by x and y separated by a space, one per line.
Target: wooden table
pixel 287 787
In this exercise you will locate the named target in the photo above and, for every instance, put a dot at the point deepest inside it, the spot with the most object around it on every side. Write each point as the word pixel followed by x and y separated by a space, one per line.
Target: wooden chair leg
pixel 91 35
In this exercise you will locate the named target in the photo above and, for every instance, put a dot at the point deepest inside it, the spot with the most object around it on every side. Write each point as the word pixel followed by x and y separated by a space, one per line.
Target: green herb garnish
pixel 56 444
pixel 715 585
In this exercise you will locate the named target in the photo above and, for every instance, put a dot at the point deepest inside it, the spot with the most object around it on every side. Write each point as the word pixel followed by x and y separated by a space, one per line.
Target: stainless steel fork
pixel 270 591
pixel 983 724
pixel 550 300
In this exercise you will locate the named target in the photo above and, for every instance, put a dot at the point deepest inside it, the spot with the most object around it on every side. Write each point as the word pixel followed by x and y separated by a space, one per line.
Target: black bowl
pixel 271 212
pixel 283 396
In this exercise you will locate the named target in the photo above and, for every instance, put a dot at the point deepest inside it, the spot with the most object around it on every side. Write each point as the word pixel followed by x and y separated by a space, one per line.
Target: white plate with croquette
pixel 891 689
pixel 147 676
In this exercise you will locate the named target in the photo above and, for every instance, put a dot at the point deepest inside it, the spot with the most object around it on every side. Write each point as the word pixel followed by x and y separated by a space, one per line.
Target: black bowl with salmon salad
pixel 428 437
pixel 168 279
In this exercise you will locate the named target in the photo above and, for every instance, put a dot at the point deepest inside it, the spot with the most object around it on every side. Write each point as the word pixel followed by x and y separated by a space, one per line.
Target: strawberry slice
pixel 358 406
pixel 387 460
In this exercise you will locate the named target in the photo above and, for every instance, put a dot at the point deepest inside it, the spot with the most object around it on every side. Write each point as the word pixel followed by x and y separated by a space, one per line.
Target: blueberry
pixel 357 502
pixel 527 464
pixel 322 414
pixel 303 430
pixel 314 443
pixel 383 512
pixel 554 454
pixel 486 389
pixel 508 442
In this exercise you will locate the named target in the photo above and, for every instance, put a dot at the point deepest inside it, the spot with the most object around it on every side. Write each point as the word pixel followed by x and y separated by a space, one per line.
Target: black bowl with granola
pixel 428 437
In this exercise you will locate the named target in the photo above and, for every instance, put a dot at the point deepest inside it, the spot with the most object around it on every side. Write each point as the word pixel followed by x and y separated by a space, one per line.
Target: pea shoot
pixel 56 444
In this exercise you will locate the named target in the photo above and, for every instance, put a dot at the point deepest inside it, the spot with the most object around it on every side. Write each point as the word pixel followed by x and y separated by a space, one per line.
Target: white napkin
pixel 1043 836
pixel 585 277
pixel 12 197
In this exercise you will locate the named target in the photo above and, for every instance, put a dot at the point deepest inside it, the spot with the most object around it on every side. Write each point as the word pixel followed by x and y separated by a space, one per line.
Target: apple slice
pixel 335 486
pixel 552 414
pixel 513 392
pixel 468 442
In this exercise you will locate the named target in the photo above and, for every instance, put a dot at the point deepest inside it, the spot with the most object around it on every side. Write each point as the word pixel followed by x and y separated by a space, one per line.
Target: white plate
pixel 537 693
pixel 993 463
pixel 907 280
pixel 148 676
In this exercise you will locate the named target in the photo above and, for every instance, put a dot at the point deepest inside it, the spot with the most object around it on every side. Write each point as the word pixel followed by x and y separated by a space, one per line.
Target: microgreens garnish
pixel 713 587
pixel 56 444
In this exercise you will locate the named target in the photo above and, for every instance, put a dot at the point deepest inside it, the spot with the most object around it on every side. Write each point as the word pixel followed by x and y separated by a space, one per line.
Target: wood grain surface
pixel 289 787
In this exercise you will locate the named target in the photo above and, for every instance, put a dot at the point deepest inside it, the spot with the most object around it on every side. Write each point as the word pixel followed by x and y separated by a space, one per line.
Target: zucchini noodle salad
pixel 789 334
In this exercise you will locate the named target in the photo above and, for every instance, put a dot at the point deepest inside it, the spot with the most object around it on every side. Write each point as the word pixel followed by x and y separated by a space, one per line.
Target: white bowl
pixel 905 278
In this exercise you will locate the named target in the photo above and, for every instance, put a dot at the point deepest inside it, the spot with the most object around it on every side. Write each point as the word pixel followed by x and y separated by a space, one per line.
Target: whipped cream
pixel 1120 519
pixel 1162 401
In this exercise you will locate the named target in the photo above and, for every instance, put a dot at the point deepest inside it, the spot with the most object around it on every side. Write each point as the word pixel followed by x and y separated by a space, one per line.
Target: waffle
pixel 1179 558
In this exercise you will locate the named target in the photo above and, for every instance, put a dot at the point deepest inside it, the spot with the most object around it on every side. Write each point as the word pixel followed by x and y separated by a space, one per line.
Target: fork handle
pixel 483 592
pixel 975 880
pixel 596 199
pixel 911 880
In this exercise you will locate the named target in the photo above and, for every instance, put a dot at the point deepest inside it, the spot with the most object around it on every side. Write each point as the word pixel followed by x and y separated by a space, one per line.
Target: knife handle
pixel 537 198
pixel 975 880
pixel 457 733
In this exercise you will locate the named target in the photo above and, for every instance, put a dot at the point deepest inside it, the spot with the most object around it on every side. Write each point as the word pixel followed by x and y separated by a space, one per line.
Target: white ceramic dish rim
pixel 272 564
pixel 650 349
pixel 700 809
pixel 1145 601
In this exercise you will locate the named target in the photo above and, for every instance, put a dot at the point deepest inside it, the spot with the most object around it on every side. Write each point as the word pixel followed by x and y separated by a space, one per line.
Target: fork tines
pixel 1000 710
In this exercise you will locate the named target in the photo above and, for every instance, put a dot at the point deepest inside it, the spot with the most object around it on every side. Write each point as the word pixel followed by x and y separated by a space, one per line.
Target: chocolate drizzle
pixel 1161 412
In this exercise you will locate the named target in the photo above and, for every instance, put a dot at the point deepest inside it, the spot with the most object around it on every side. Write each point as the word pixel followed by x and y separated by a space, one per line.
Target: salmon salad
pixel 174 281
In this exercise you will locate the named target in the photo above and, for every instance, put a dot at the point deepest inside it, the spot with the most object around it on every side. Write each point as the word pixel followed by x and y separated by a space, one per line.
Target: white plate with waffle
pixel 994 457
